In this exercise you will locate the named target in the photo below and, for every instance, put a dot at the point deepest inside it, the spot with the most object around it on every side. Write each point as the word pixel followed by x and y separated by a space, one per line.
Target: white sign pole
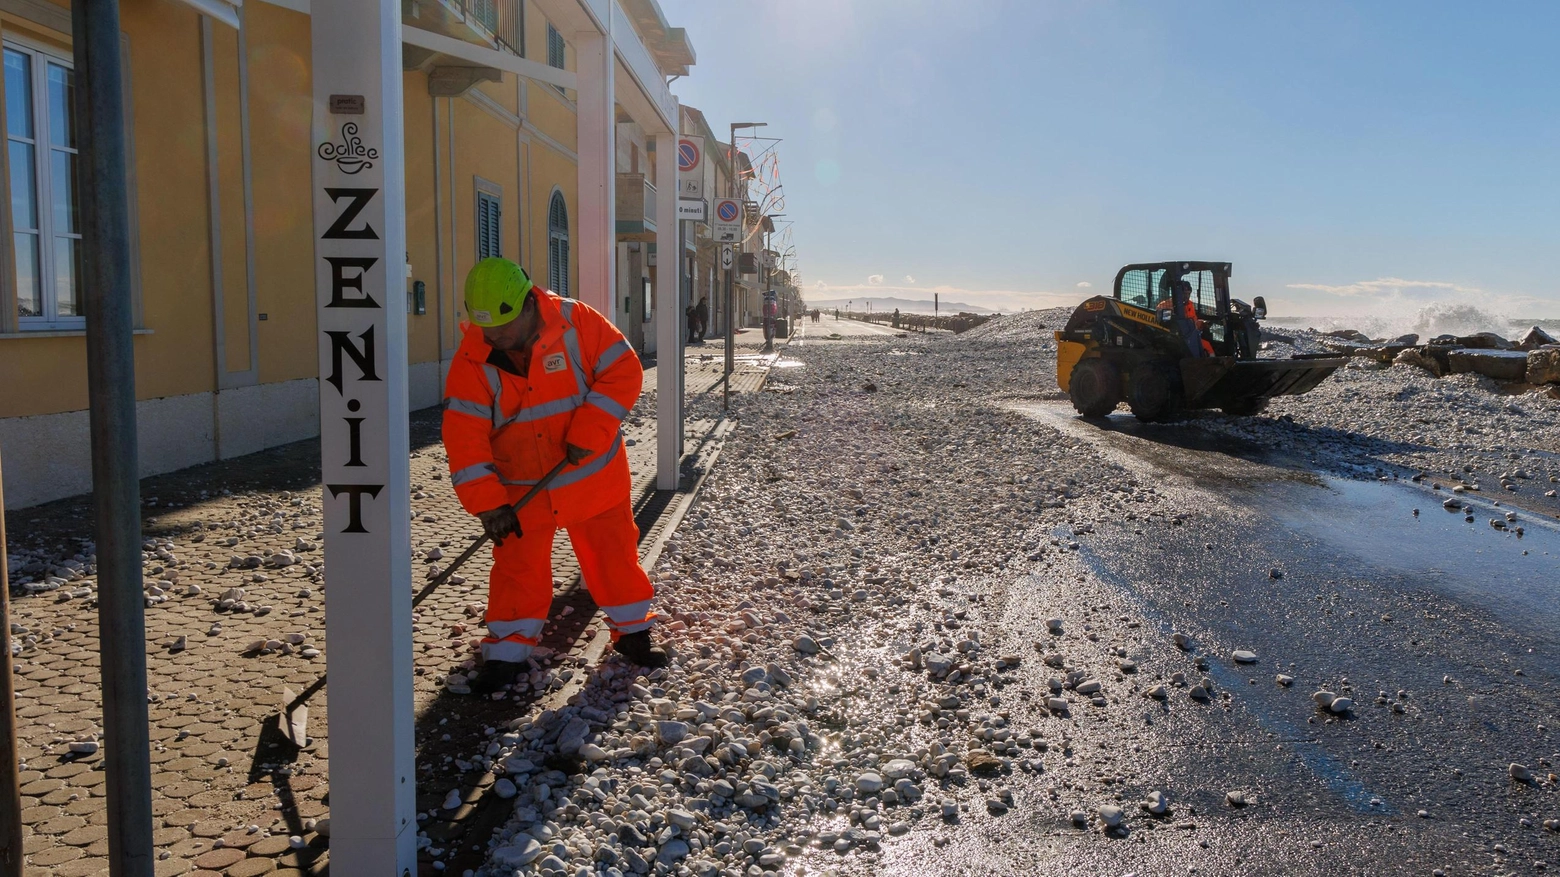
pixel 669 326
pixel 360 245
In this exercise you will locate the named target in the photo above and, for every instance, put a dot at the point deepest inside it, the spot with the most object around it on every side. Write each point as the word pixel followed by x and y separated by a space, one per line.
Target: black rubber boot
pixel 637 648
pixel 495 675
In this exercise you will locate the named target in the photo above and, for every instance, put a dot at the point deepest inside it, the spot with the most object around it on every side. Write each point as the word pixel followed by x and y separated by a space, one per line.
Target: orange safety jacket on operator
pixel 503 431
pixel 1190 313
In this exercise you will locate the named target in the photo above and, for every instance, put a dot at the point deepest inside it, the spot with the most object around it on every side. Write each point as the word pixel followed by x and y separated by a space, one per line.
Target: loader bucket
pixel 1222 381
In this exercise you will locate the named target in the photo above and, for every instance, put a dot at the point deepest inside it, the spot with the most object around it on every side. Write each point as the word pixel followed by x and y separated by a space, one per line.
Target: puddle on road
pixel 1471 562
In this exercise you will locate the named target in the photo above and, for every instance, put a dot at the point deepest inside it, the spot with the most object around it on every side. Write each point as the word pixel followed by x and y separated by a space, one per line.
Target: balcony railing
pixel 499 23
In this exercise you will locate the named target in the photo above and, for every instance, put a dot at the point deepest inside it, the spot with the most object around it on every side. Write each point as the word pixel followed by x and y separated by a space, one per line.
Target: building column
pixel 596 130
pixel 359 196
pixel 669 332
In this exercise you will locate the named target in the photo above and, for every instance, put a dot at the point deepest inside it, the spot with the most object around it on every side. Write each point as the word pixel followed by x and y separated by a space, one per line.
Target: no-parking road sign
pixel 728 220
pixel 690 167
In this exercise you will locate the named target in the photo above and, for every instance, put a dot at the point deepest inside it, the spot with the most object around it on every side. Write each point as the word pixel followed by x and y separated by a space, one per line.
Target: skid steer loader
pixel 1170 338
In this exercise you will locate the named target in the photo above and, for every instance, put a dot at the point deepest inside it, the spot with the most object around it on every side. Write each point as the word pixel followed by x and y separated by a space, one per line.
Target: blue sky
pixel 1348 158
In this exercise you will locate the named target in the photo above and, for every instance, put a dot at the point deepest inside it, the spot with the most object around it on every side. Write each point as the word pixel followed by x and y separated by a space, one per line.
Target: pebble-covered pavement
pixel 235 616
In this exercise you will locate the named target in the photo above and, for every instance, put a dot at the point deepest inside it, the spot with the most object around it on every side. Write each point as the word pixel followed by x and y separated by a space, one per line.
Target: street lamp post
pixel 731 289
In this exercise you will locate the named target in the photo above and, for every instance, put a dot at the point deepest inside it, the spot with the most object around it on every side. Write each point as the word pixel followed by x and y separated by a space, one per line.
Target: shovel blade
pixel 294 722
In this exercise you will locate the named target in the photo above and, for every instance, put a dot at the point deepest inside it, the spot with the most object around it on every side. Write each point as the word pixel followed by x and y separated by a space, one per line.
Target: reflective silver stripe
pixel 569 476
pixel 571 347
pixel 517 483
pixel 472 473
pixel 610 355
pixel 628 613
pixel 506 650
pixel 528 628
pixel 466 406
pixel 571 344
pixel 545 409
pixel 633 628
pixel 496 384
pixel 607 403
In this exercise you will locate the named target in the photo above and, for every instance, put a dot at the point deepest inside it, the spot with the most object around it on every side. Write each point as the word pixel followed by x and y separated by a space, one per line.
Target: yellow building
pixel 219 142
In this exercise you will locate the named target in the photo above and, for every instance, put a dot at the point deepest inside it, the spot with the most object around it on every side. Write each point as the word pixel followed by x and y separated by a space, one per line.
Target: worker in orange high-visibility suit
pixel 1191 326
pixel 539 379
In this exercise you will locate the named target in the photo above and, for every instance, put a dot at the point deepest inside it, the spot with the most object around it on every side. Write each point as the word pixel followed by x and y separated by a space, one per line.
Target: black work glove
pixel 500 523
pixel 575 453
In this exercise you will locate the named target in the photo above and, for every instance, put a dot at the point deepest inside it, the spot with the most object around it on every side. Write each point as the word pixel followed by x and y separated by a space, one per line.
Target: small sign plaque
pixel 346 104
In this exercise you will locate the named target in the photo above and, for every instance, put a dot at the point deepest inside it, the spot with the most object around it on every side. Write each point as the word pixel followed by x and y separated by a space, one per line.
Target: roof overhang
pixel 225 11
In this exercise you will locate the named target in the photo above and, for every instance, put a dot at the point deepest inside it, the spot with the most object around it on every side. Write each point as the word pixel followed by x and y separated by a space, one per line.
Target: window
pixel 489 224
pixel 45 216
pixel 649 297
pixel 558 245
pixel 1134 289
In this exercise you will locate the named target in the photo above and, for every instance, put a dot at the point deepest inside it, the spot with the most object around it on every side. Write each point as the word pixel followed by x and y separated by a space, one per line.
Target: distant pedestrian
pixel 771 314
pixel 896 318
pixel 701 314
pixel 692 313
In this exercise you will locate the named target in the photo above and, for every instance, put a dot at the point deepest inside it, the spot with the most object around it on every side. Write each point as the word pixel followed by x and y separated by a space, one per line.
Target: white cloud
pixel 1388 287
pixel 875 280
pixel 1084 284
pixel 1394 305
pixel 909 279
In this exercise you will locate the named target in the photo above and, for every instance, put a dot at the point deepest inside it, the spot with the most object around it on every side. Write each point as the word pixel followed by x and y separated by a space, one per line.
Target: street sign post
pixel 359 195
pixel 728 220
pixel 690 209
pixel 690 167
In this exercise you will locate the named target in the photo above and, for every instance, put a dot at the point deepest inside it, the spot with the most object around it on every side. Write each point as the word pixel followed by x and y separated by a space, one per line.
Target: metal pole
pixel 105 284
pixel 731 284
pixel 10 787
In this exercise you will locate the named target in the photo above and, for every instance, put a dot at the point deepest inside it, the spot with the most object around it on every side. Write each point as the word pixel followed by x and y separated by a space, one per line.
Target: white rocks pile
pixel 833 686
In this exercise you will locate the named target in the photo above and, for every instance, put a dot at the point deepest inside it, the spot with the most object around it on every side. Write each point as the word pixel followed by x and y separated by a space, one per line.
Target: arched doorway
pixel 558 245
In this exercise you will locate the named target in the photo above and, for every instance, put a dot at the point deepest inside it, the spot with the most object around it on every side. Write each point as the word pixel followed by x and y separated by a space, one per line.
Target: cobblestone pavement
pixel 235 591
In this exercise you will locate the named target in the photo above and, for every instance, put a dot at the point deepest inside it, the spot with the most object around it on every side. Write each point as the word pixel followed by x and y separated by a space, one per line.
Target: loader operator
pixel 1191 326
pixel 540 378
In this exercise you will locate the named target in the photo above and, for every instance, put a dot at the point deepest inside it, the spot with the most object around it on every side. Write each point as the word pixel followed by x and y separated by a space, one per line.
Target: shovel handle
pixel 444 576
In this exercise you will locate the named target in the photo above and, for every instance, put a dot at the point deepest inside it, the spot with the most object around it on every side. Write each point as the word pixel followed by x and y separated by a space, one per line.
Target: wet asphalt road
pixel 1337 584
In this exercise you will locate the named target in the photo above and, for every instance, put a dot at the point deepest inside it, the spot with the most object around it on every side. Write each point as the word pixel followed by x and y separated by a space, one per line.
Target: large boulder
pixel 1543 366
pixel 1534 338
pixel 1419 358
pixel 1349 335
pixel 1386 354
pixel 1502 365
pixel 1485 341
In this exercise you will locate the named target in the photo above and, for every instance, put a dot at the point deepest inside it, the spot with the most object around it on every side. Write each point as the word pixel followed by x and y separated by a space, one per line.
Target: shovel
pixel 442 577
pixel 294 717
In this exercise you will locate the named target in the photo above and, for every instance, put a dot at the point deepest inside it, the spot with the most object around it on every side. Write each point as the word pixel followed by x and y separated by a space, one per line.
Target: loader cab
pixel 1149 285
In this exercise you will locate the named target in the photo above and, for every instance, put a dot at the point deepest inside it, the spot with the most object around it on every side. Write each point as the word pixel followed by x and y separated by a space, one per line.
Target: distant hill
pixel 905 305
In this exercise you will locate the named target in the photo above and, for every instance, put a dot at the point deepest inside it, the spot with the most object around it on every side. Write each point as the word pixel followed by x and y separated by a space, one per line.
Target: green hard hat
pixel 495 290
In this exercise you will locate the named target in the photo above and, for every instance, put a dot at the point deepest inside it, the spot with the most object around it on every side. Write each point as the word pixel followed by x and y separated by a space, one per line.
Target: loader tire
pixel 1152 393
pixel 1095 388
pixel 1245 407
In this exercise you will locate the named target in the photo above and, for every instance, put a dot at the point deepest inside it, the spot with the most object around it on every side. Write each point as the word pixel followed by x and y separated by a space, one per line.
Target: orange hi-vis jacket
pixel 504 431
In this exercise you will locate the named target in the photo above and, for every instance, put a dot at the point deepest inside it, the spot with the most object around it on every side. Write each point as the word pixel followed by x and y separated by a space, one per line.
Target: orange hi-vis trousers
pixel 520 588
